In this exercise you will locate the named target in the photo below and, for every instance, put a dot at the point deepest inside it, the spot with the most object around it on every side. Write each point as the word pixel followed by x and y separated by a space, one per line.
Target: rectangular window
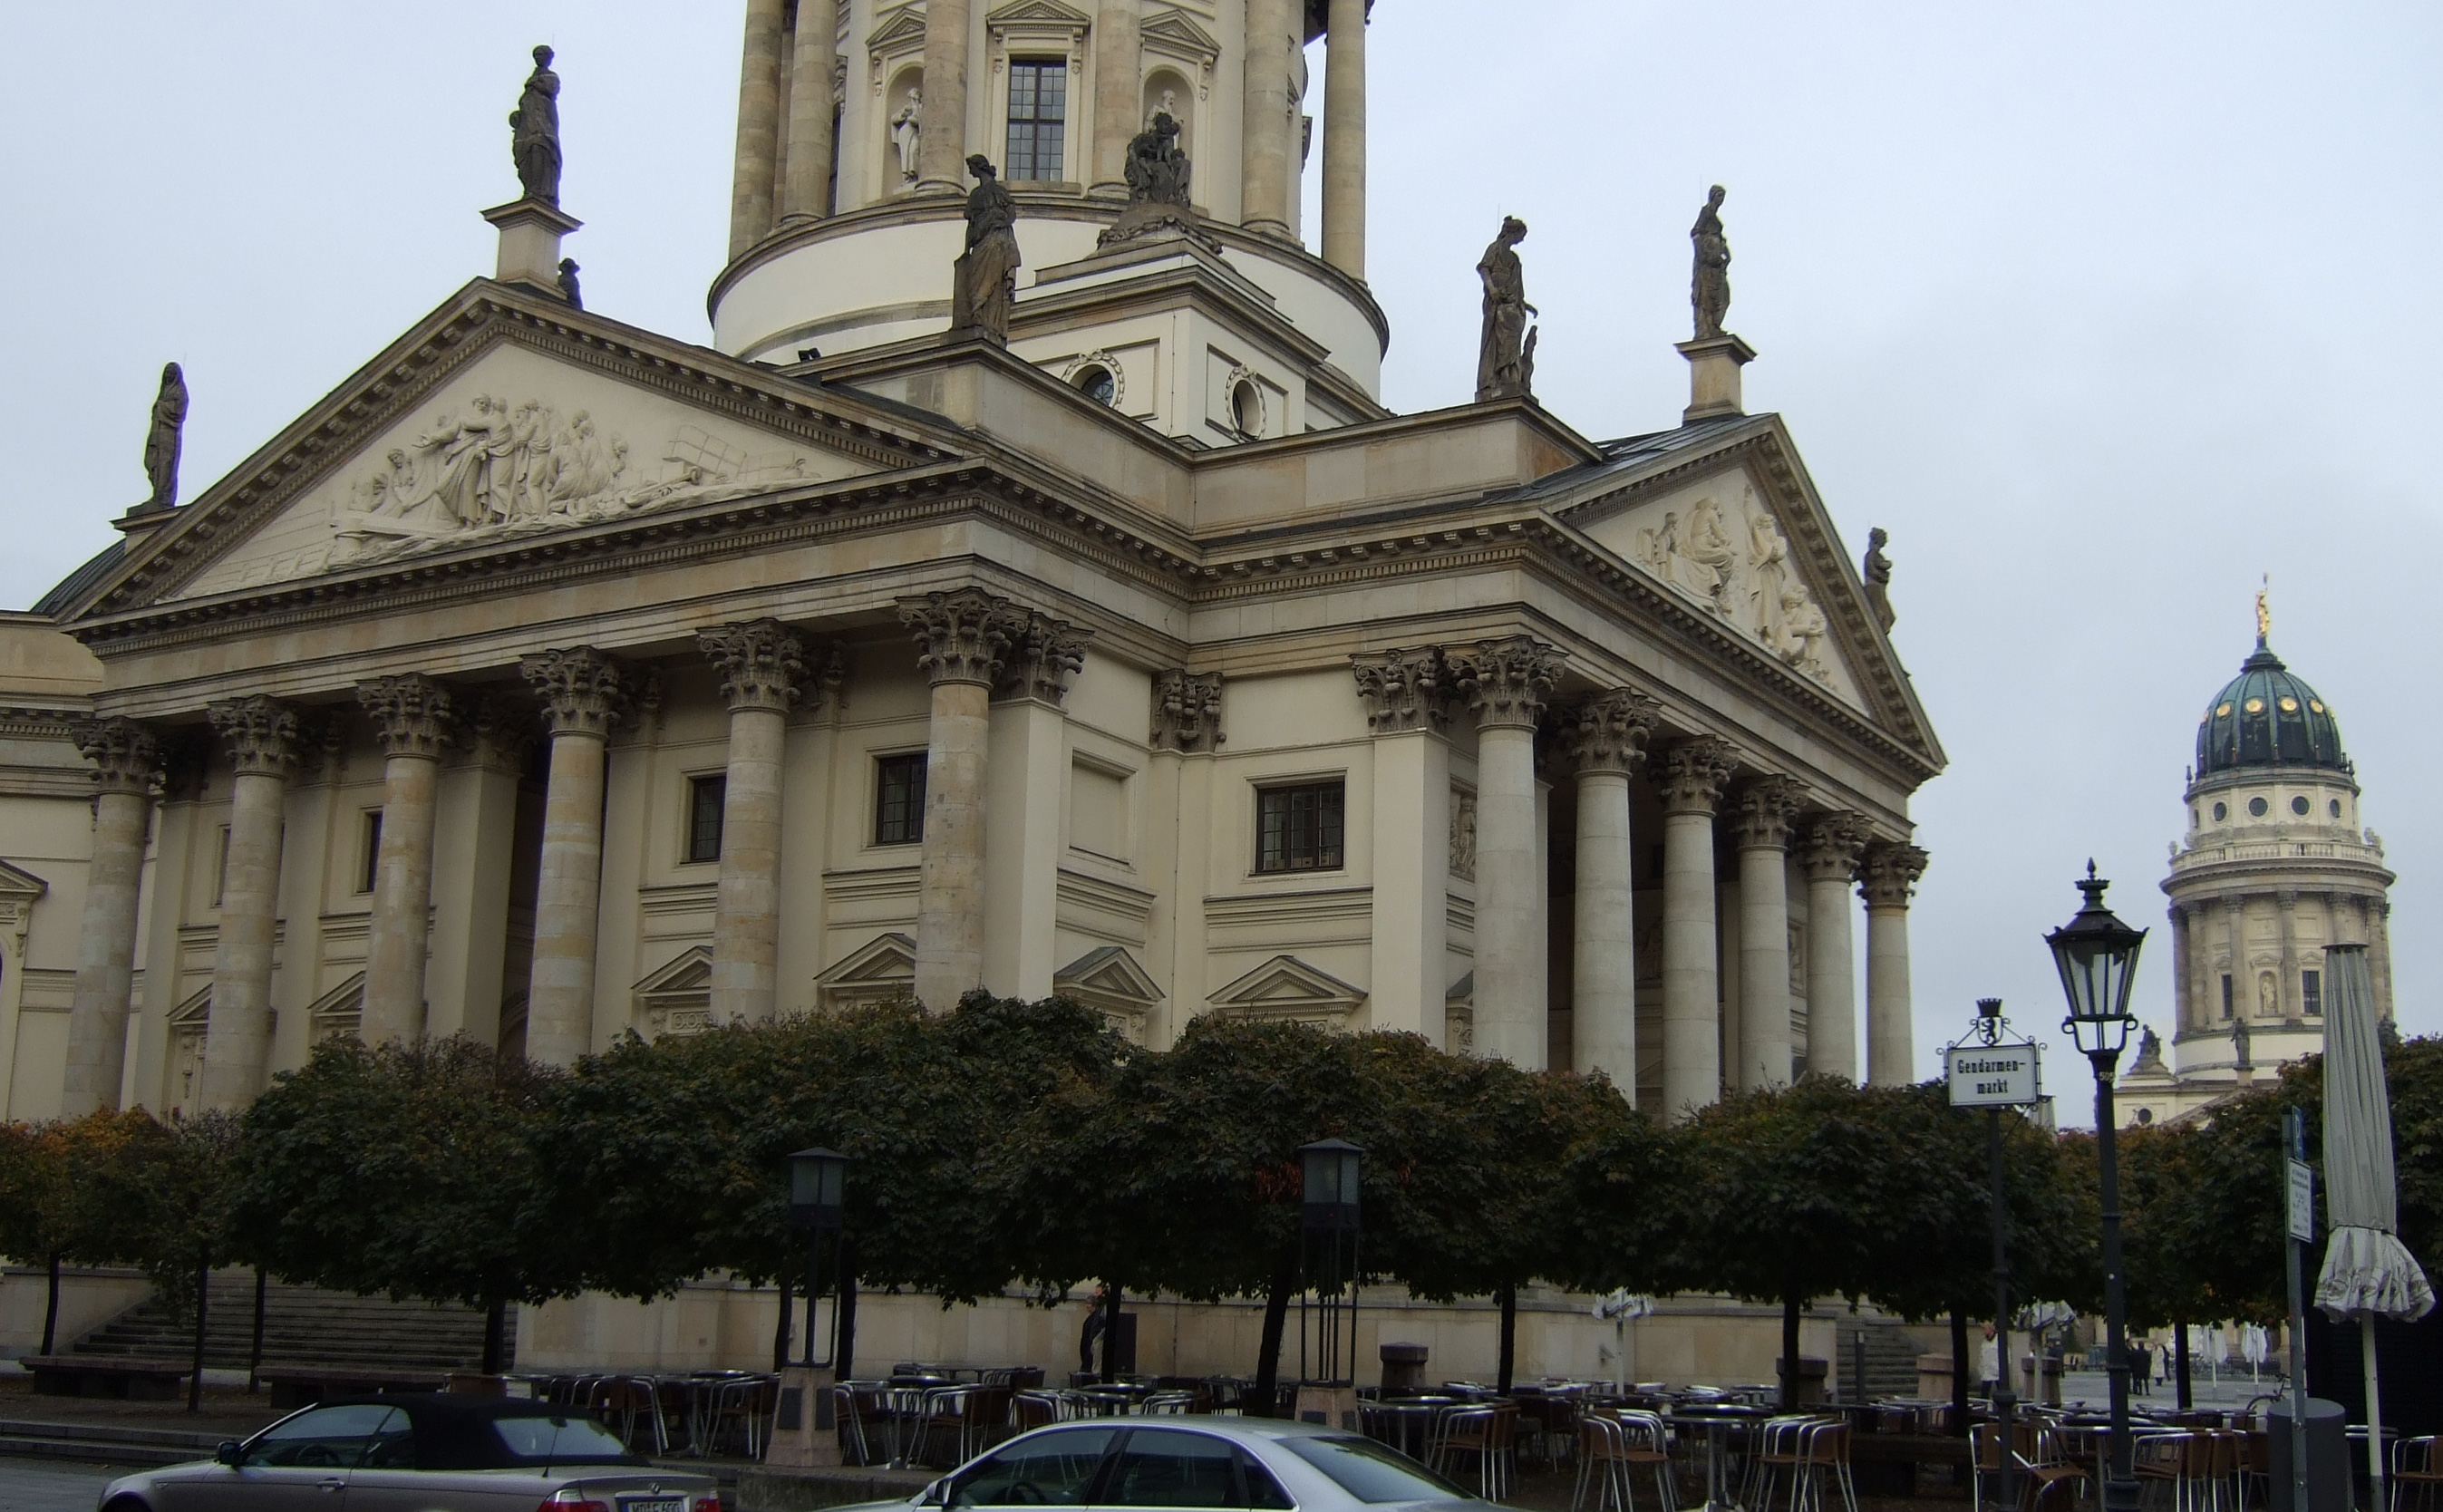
pixel 369 867
pixel 220 869
pixel 1039 112
pixel 899 799
pixel 1298 829
pixel 2311 992
pixel 2226 997
pixel 704 797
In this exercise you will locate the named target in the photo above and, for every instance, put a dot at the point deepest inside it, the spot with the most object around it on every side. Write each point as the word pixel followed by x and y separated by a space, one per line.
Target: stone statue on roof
pixel 1876 570
pixel 163 443
pixel 1710 285
pixel 1157 171
pixel 534 132
pixel 1501 357
pixel 984 280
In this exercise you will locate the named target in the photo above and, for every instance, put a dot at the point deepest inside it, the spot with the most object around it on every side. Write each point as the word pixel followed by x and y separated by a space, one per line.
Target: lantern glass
pixel 2096 957
pixel 817 1178
pixel 1332 1172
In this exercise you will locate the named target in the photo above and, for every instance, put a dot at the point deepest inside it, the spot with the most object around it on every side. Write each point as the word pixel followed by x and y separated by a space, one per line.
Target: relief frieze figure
pixel 1736 562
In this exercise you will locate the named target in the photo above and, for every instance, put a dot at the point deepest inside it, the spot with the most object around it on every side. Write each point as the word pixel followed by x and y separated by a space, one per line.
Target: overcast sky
pixel 2102 309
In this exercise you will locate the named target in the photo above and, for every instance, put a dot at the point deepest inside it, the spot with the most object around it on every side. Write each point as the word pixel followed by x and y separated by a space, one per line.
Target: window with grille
pixel 1298 829
pixel 2311 991
pixel 706 796
pixel 899 799
pixel 2226 997
pixel 1039 115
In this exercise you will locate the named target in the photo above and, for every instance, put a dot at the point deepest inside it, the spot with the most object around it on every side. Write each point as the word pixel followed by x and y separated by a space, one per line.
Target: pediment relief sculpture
pixel 1734 560
pixel 493 470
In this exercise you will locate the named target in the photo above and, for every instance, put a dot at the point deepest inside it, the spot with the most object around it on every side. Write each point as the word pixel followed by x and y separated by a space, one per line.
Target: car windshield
pixel 559 1438
pixel 1370 1471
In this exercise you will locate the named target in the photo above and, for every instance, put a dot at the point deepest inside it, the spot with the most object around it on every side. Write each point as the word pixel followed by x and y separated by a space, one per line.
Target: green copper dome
pixel 2266 718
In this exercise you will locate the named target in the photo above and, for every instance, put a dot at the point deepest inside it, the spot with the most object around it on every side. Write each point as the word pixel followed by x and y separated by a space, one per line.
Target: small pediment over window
pixel 1038 12
pixel 676 996
pixel 338 1014
pixel 1109 980
pixel 900 28
pixel 879 971
pixel 1286 990
pixel 17 885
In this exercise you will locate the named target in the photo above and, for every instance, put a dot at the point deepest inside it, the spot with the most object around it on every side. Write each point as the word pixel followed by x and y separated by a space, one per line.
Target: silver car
pixel 420 1453
pixel 1248 1464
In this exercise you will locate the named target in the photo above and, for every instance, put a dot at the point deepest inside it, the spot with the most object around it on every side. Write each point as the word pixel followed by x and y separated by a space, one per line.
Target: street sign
pixel 1991 1076
pixel 2302 1202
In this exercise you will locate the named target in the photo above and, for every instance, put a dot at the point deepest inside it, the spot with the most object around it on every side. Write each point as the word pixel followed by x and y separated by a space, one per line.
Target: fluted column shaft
pixel 1886 879
pixel 1264 151
pixel 2288 999
pixel 759 126
pixel 1407 696
pixel 1117 88
pixel 1344 140
pixel 1766 807
pixel 127 762
pixel 2380 952
pixel 1693 776
pixel 762 666
pixel 1026 773
pixel 961 639
pixel 262 737
pixel 1505 683
pixel 1828 856
pixel 411 719
pixel 2181 975
pixel 2242 991
pixel 941 115
pixel 583 696
pixel 806 168
pixel 1605 741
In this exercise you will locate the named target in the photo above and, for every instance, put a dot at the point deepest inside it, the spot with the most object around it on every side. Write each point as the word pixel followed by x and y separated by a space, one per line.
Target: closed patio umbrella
pixel 2367 1273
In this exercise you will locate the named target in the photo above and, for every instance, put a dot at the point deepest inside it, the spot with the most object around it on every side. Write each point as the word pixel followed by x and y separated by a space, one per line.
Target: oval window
pixel 1247 409
pixel 2222 711
pixel 1098 384
pixel 2337 808
pixel 2313 705
pixel 2257 807
pixel 2299 806
pixel 2222 811
pixel 2256 706
pixel 2289 706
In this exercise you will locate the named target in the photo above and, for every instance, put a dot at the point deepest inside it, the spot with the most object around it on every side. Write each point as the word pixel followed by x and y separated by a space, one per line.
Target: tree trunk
pixel 203 1306
pixel 2180 1356
pixel 1111 1332
pixel 254 1353
pixel 51 1309
pixel 845 1356
pixel 1960 1366
pixel 1791 1303
pixel 1509 1299
pixel 496 1335
pixel 1268 1352
pixel 780 1332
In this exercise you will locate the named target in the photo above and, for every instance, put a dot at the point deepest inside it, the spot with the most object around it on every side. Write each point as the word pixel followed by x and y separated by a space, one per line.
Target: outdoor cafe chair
pixel 855 1448
pixel 1614 1452
pixel 1773 1461
pixel 1824 1467
pixel 1487 1435
pixel 1034 1410
pixel 635 1404
pixel 2416 1469
pixel 742 1402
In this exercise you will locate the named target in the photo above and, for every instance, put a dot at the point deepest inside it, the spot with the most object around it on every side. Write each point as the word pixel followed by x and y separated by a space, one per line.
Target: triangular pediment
pixel 690 971
pixel 1108 974
pixel 900 29
pixel 17 885
pixel 1287 987
pixel 503 417
pixel 885 959
pixel 1038 12
pixel 347 997
pixel 196 1009
pixel 1175 31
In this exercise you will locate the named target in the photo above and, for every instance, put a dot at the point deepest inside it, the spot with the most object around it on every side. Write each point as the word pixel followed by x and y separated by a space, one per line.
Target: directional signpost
pixel 1988 1071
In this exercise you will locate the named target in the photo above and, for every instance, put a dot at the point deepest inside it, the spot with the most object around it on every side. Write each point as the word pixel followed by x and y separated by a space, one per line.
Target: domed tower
pixel 2275 866
pixel 857 122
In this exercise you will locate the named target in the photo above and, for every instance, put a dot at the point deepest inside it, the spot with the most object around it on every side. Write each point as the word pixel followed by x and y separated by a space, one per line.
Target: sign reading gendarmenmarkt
pixel 1991 1076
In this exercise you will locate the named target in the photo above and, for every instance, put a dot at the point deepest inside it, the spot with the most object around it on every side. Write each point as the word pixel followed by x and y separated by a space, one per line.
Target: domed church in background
pixel 2274 868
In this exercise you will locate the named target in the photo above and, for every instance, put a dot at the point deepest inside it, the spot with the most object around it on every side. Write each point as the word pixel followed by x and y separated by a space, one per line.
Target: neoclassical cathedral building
pixel 1096 631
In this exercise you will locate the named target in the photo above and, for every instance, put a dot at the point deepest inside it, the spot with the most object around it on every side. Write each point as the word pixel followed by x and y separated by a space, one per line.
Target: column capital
pixel 961 635
pixel 2288 898
pixel 1506 681
pixel 413 714
pixel 1607 733
pixel 763 663
pixel 1694 774
pixel 1828 849
pixel 581 691
pixel 126 756
pixel 1765 806
pixel 1406 689
pixel 1186 711
pixel 260 733
pixel 1043 654
pixel 500 731
pixel 1889 874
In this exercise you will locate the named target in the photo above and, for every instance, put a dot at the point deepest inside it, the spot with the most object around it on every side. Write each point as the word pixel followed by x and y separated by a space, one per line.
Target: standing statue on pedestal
pixel 163 443
pixel 985 281
pixel 1710 288
pixel 1500 362
pixel 1877 572
pixel 534 132
pixel 907 132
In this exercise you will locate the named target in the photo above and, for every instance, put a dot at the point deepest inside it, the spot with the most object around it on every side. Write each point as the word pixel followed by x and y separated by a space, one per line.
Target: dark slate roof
pixel 70 588
pixel 2268 717
pixel 1625 455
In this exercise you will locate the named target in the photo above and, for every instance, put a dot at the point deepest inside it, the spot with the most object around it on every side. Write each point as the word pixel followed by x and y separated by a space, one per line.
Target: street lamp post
pixel 816 1179
pixel 1330 1172
pixel 2097 955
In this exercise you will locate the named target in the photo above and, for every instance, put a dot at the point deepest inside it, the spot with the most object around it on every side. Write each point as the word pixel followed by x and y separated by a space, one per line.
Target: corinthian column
pixel 806 167
pixel 941 115
pixel 962 636
pixel 127 767
pixel 1407 696
pixel 1505 683
pixel 583 695
pixel 1026 773
pixel 759 126
pixel 411 719
pixel 1117 64
pixel 762 665
pixel 1828 856
pixel 1693 773
pixel 262 736
pixel 1605 741
pixel 1264 151
pixel 1344 141
pixel 1885 880
pixel 1766 806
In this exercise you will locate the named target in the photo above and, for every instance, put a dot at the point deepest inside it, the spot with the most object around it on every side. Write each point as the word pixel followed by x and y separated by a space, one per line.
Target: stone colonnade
pixel 784 143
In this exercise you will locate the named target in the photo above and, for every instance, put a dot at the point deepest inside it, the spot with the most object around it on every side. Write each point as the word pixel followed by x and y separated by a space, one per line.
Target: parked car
pixel 420 1453
pixel 1250 1463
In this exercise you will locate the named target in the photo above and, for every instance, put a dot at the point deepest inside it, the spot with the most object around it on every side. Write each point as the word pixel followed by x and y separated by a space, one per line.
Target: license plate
pixel 652 1504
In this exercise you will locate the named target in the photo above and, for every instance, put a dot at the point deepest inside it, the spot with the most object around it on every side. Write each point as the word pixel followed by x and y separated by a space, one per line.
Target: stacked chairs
pixel 1168 1403
pixel 2161 1461
pixel 1773 1461
pixel 744 1403
pixel 2416 1470
pixel 1614 1452
pixel 630 1405
pixel 1034 1410
pixel 1550 1421
pixel 1485 1435
pixel 1823 1468
pixel 846 1410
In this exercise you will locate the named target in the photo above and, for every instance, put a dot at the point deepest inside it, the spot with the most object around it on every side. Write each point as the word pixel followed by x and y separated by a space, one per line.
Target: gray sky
pixel 2102 309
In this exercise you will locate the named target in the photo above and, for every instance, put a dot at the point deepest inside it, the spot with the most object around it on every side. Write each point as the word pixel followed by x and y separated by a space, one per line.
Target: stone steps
pixel 302 1325
pixel 1891 1361
pixel 105 1443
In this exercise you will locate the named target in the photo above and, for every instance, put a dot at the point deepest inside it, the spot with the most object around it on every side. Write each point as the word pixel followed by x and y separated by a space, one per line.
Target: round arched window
pixel 2299 806
pixel 2257 807
pixel 1098 384
pixel 2337 808
pixel 1247 409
